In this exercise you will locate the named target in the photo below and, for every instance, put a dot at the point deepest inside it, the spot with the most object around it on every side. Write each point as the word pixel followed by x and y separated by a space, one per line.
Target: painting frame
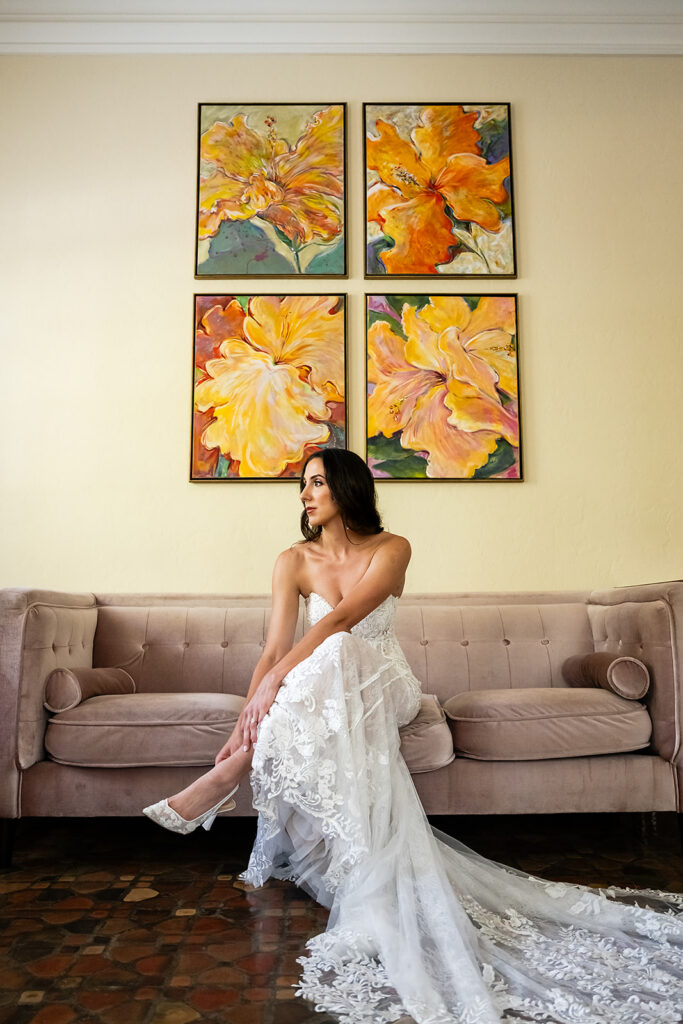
pixel 253 240
pixel 464 244
pixel 250 350
pixel 476 348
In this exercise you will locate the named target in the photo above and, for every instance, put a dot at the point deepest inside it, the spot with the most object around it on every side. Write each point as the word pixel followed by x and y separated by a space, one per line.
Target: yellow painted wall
pixel 97 211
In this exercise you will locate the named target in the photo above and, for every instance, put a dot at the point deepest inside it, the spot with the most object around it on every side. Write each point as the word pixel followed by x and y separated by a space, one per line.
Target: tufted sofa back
pixel 181 648
pixel 451 647
pixel 452 642
pixel 454 647
pixel 455 642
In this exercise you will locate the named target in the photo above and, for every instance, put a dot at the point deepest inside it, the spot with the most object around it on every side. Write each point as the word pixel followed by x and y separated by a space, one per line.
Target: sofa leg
pixel 680 829
pixel 8 828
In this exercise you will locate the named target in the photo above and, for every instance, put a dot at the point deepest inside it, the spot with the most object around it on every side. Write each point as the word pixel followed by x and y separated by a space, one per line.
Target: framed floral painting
pixel 438 190
pixel 443 387
pixel 269 384
pixel 271 195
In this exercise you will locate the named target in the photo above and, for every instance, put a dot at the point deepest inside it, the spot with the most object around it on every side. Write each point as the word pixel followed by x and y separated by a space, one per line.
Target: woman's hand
pixel 256 710
pixel 232 746
pixel 245 733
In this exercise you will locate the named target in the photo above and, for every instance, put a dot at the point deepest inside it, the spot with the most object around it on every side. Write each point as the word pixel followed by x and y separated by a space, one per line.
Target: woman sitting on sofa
pixel 418 923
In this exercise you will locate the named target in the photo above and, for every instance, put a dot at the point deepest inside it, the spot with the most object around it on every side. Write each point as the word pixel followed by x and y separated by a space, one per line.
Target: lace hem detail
pixel 335 710
pixel 588 977
pixel 352 985
pixel 419 925
pixel 341 975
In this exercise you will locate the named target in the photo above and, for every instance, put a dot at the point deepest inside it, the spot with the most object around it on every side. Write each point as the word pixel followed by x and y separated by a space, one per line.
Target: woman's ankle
pixel 207 790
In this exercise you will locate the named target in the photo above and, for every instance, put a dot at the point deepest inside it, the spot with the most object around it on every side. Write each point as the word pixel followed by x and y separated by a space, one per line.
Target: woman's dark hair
pixel 352 486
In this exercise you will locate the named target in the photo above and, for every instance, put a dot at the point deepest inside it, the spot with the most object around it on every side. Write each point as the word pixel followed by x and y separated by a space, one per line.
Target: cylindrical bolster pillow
pixel 67 687
pixel 627 677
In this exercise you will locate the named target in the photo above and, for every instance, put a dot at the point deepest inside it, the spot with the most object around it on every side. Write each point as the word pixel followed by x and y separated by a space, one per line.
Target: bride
pixel 419 924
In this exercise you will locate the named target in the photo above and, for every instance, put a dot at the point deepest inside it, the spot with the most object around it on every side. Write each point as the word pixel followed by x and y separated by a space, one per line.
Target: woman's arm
pixel 281 630
pixel 283 617
pixel 384 576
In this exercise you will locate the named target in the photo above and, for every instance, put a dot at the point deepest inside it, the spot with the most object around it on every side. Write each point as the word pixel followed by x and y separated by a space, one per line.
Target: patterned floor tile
pixel 167 934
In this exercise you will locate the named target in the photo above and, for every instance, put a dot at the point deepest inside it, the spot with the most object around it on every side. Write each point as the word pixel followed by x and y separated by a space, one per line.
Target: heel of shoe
pixel 229 806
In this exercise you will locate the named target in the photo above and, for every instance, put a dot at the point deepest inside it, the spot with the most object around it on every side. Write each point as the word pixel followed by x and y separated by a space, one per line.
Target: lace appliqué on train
pixel 420 925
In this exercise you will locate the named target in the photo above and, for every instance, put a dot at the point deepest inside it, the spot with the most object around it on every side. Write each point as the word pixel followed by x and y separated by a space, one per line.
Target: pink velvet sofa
pixel 500 732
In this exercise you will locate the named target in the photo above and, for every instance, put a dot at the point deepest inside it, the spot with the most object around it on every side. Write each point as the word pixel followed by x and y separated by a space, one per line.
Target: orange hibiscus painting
pixel 443 395
pixel 269 384
pixel 271 190
pixel 438 190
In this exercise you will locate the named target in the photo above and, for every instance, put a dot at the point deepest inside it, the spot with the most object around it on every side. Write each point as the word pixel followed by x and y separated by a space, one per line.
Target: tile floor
pixel 116 921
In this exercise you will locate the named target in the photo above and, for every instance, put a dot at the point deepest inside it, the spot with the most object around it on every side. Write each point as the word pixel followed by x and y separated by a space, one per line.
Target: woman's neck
pixel 338 541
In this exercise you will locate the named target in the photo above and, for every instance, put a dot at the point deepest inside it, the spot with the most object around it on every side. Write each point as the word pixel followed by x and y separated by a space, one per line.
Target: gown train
pixel 420 925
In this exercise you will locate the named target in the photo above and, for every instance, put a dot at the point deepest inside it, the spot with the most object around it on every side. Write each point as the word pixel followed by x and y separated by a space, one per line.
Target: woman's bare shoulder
pixel 396 543
pixel 291 557
pixel 303 552
pixel 287 565
pixel 293 562
pixel 392 551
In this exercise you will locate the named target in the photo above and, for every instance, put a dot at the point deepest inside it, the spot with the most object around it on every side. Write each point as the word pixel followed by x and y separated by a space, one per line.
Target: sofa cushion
pixel 129 730
pixel 134 730
pixel 426 742
pixel 65 688
pixel 545 722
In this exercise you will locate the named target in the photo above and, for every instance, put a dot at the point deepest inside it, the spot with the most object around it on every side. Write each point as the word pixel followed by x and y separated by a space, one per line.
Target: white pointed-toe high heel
pixel 163 814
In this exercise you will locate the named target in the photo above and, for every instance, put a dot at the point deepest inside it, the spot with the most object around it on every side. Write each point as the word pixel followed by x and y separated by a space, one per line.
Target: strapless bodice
pixel 377 625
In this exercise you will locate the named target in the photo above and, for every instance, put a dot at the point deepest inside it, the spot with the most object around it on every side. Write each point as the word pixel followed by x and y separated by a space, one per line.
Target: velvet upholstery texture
pixel 540 723
pixel 625 676
pixel 65 688
pixel 426 742
pixel 124 731
pixel 168 729
pixel 648 624
pixel 577 785
pixel 622 782
pixel 183 645
pixel 456 647
pixel 46 631
pixel 183 649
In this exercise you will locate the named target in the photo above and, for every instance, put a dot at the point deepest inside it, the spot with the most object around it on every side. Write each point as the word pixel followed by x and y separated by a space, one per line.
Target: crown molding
pixel 440 26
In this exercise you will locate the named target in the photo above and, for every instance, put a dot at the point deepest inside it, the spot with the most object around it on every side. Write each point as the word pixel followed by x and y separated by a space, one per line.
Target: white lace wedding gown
pixel 419 924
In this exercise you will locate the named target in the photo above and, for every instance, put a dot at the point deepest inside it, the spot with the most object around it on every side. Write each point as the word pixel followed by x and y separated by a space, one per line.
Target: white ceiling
pixel 342 26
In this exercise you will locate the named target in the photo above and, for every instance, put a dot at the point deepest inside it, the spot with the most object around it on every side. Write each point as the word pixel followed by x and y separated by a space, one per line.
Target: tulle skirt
pixel 419 924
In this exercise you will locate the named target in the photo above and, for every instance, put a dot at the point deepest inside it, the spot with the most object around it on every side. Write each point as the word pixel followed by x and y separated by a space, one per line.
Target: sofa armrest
pixel 39 630
pixel 646 622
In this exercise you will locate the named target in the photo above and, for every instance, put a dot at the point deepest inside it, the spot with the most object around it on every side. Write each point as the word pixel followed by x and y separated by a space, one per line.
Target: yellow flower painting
pixel 438 190
pixel 271 197
pixel 269 384
pixel 442 387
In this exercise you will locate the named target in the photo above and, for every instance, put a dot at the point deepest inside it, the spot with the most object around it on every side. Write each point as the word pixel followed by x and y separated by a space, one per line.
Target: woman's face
pixel 316 496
